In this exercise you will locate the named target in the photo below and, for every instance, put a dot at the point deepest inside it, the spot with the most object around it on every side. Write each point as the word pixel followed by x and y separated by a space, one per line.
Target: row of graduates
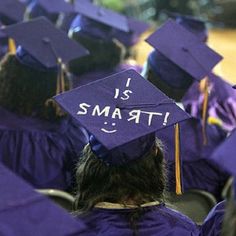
pixel 42 145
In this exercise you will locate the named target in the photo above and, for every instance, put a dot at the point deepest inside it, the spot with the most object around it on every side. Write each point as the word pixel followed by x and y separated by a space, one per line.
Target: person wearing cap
pixel 11 11
pixel 95 28
pixel 50 9
pixel 221 98
pixel 24 212
pixel 172 67
pixel 37 141
pixel 221 219
pixel 65 19
pixel 121 174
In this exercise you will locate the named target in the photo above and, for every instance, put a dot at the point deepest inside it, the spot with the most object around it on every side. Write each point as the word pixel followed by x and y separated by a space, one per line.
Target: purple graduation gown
pixel 100 74
pixel 24 212
pixel 213 223
pixel 41 152
pixel 198 171
pixel 222 101
pixel 155 221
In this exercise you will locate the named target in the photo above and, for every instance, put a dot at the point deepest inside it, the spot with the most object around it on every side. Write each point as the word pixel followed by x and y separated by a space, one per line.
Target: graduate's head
pixel 94 28
pixel 167 76
pixel 25 90
pixel 49 9
pixel 33 75
pixel 122 123
pixel 179 58
pixel 11 11
pixel 136 182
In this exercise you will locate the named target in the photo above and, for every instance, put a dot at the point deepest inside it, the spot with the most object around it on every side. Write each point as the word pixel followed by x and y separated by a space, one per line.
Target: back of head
pixel 25 90
pixel 105 52
pixel 167 76
pixel 140 181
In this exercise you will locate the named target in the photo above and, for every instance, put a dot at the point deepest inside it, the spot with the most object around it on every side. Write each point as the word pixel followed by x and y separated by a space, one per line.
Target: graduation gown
pixel 154 221
pixel 24 212
pixel 212 225
pixel 222 101
pixel 43 153
pixel 198 171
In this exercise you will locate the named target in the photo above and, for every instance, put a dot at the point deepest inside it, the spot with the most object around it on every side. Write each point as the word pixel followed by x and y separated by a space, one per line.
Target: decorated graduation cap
pixel 97 21
pixel 122 120
pixel 11 11
pixel 45 47
pixel 225 157
pixel 24 211
pixel 49 9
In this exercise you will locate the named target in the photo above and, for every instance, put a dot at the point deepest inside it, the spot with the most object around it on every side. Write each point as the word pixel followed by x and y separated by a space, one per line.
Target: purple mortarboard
pixel 225 157
pixel 184 49
pixel 11 11
pixel 24 212
pixel 48 8
pixel 120 117
pixel 102 15
pixel 42 45
pixel 136 28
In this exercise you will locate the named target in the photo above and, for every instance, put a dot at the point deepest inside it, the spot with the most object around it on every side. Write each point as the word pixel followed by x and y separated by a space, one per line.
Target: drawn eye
pixel 109 131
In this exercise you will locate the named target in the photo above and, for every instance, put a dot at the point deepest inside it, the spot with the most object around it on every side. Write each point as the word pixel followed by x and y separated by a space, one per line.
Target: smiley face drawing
pixel 109 131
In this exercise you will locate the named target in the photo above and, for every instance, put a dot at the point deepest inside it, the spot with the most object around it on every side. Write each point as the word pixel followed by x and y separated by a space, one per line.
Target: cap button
pixel 185 49
pixel 46 40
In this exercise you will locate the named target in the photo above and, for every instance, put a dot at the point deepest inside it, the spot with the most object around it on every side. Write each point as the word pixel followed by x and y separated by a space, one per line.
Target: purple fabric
pixel 198 171
pixel 45 42
pixel 186 50
pixel 222 101
pixel 109 113
pixel 213 222
pixel 24 212
pixel 155 221
pixel 100 74
pixel 42 153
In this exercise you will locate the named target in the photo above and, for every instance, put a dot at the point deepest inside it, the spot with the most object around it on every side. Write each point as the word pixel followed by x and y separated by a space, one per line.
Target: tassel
pixel 60 78
pixel 11 46
pixel 178 179
pixel 205 111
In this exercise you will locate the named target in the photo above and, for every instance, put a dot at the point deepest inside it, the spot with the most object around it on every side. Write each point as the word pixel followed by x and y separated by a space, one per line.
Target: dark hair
pixel 174 93
pixel 103 55
pixel 25 91
pixel 141 181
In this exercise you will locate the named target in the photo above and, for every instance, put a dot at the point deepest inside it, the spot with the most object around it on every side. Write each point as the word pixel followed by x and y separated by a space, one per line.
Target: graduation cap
pixel 122 120
pixel 102 15
pixel 136 29
pixel 24 212
pixel 44 42
pixel 224 156
pixel 183 49
pixel 195 25
pixel 11 11
pixel 49 9
pixel 45 47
